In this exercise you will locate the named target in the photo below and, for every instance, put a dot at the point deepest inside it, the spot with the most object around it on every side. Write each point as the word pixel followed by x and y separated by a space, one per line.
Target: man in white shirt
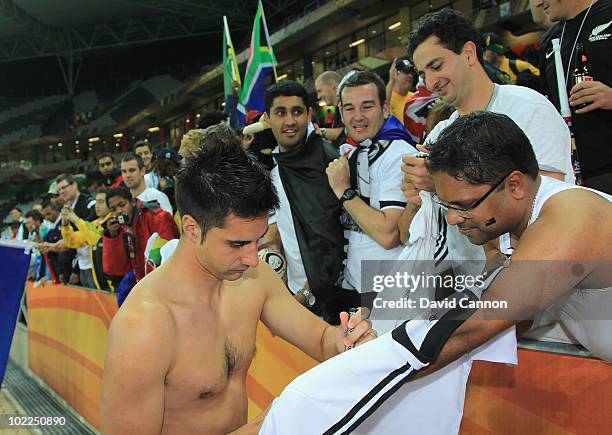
pixel 561 265
pixel 368 182
pixel 451 62
pixel 326 86
pixel 133 172
pixel 145 152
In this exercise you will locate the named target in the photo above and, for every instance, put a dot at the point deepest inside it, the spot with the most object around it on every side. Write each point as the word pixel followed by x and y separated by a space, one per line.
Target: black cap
pixel 169 154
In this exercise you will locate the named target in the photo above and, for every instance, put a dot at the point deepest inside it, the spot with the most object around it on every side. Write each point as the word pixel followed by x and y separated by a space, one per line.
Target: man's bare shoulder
pixel 148 293
pixel 260 280
pixel 577 204
pixel 573 224
pixel 144 320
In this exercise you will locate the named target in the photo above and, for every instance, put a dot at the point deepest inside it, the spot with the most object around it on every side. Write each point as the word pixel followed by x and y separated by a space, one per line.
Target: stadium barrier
pixel 547 393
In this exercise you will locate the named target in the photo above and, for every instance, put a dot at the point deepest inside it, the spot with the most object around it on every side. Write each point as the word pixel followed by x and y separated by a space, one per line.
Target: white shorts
pixel 364 391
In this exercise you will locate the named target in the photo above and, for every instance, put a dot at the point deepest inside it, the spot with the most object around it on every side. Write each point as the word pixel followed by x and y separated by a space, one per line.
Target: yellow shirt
pixel 88 233
pixel 397 104
pixel 521 66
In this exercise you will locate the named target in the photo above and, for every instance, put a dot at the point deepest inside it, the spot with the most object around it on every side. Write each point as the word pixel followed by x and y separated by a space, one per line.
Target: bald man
pixel 326 85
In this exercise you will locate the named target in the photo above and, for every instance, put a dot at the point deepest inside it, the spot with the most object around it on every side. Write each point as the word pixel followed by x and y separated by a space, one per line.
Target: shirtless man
pixel 180 347
pixel 486 173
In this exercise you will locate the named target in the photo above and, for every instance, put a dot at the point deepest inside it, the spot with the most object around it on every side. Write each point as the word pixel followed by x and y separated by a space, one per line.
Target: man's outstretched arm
pixel 291 321
pixel 542 270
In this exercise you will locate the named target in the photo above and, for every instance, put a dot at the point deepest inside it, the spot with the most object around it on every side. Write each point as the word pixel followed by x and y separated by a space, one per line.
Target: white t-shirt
pixel 152 179
pixel 543 126
pixel 19 235
pixel 539 120
pixel 296 274
pixel 150 194
pixel 583 313
pixel 385 188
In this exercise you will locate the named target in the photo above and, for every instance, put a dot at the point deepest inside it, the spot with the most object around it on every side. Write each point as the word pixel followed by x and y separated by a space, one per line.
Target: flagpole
pixel 263 17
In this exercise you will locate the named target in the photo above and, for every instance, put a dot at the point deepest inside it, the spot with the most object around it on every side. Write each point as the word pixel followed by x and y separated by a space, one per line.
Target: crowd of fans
pixel 110 236
pixel 95 237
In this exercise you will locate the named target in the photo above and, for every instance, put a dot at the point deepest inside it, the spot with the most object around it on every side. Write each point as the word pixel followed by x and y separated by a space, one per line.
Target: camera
pixel 168 182
pixel 405 66
pixel 123 219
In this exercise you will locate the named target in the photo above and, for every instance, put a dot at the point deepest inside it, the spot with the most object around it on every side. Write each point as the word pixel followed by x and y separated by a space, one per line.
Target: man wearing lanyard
pixel 587 23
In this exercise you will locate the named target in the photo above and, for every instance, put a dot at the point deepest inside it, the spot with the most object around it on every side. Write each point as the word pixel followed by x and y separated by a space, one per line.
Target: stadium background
pixel 84 76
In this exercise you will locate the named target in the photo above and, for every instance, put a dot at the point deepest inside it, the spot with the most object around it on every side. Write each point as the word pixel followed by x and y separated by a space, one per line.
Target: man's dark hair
pixel 68 178
pixel 48 203
pixel 142 143
pixel 361 78
pixel 211 118
pixel 451 27
pixel 220 179
pixel 131 156
pixel 35 215
pixel 482 148
pixel 121 191
pixel 286 88
pixel 18 209
pixel 105 155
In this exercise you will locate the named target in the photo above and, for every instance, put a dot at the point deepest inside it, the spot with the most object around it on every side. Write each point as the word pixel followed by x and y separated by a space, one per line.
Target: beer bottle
pixel 581 72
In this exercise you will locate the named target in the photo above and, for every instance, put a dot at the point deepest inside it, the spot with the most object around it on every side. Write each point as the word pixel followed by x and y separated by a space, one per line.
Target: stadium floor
pixel 22 395
pixel 7 408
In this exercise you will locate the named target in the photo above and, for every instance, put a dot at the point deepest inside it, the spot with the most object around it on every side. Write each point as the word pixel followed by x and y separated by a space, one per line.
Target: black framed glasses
pixel 465 212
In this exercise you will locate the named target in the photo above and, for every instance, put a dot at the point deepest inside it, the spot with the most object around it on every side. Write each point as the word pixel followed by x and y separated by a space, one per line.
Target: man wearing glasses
pixel 561 269
pixel 464 210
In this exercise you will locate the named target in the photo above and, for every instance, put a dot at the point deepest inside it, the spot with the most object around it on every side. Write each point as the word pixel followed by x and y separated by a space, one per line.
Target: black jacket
pixel 316 213
pixel 84 207
pixel 592 130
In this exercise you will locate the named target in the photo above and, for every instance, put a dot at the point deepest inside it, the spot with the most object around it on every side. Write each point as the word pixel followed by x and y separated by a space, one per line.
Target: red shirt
pixel 125 252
